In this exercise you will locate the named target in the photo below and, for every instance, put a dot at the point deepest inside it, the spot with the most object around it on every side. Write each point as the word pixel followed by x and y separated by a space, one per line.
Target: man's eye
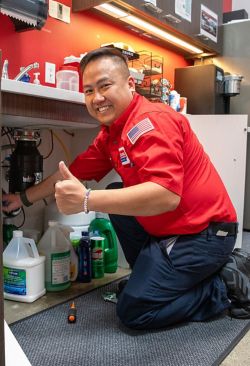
pixel 88 91
pixel 105 86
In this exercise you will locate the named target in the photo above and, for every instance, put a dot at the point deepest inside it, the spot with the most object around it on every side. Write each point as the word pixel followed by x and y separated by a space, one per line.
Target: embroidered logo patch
pixel 123 156
pixel 139 129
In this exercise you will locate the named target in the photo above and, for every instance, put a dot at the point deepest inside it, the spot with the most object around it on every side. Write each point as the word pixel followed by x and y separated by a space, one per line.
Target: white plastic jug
pixel 56 248
pixel 23 269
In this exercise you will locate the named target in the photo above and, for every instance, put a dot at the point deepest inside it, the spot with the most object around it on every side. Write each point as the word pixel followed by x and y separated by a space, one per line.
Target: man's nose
pixel 98 97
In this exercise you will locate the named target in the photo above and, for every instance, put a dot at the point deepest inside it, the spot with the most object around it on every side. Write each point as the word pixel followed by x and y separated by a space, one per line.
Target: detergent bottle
pixel 56 248
pixel 73 256
pixel 23 269
pixel 103 227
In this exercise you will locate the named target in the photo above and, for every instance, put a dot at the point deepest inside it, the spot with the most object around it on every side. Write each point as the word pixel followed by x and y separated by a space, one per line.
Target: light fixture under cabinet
pixel 146 26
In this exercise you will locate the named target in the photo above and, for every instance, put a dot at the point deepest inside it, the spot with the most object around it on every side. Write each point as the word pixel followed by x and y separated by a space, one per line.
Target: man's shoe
pixel 236 275
pixel 239 311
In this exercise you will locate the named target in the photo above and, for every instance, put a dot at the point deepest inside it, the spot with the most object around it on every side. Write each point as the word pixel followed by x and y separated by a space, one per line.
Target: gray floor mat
pixel 98 338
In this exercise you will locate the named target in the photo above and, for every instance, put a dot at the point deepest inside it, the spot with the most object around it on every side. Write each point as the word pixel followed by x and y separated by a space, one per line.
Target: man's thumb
pixel 65 173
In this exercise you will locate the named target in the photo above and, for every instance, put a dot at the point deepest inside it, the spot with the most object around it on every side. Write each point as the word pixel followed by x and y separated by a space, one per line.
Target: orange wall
pixel 58 39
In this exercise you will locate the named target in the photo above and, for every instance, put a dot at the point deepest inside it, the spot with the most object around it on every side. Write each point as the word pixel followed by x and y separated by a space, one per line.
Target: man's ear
pixel 131 83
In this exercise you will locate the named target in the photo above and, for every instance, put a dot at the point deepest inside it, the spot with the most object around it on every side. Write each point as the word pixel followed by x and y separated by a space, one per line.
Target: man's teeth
pixel 103 109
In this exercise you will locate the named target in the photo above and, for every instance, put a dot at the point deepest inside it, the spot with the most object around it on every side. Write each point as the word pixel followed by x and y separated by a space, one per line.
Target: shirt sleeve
pixel 158 153
pixel 94 163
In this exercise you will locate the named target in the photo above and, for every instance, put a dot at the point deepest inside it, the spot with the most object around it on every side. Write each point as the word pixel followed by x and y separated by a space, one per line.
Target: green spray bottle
pixel 104 228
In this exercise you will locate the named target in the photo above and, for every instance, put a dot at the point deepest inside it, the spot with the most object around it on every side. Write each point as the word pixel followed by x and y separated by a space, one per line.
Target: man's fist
pixel 69 192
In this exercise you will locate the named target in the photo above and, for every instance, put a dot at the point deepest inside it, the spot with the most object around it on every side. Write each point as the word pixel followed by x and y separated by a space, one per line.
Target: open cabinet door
pixel 2 356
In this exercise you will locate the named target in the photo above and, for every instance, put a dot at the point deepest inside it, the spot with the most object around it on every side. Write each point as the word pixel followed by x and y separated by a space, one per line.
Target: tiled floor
pixel 240 356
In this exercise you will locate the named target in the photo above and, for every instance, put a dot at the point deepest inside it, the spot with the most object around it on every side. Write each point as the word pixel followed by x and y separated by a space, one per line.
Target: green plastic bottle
pixel 103 227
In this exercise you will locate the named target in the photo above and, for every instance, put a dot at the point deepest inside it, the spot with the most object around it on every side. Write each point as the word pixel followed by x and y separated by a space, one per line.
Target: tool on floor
pixel 72 313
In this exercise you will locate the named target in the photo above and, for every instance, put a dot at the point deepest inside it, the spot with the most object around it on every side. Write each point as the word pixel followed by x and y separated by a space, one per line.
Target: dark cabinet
pixel 163 14
pixel 210 35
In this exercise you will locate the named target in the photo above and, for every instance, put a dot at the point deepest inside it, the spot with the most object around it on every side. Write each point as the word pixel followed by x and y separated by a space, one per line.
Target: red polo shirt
pixel 152 142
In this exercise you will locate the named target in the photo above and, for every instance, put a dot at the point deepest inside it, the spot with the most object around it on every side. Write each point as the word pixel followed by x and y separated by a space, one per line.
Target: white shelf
pixel 20 87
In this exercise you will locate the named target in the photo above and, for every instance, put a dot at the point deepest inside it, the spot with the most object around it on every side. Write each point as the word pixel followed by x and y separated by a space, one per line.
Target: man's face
pixel 108 90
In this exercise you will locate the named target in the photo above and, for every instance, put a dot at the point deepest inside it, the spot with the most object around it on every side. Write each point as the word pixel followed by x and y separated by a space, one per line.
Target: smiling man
pixel 172 214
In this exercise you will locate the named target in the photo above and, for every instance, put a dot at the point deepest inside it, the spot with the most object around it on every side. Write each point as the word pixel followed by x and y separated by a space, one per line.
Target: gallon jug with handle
pixel 56 248
pixel 23 269
pixel 103 227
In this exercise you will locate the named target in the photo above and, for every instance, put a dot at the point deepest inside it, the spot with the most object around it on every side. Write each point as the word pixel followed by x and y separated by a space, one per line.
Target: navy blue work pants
pixel 166 289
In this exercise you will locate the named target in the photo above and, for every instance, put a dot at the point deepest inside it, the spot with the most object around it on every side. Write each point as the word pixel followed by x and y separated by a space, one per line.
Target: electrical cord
pixel 66 151
pixel 24 218
pixel 52 146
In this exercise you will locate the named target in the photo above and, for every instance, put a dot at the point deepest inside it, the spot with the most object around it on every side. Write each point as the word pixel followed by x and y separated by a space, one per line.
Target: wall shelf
pixel 25 104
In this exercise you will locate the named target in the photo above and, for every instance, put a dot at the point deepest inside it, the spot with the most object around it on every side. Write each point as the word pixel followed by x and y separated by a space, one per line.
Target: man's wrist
pixel 85 201
pixel 24 199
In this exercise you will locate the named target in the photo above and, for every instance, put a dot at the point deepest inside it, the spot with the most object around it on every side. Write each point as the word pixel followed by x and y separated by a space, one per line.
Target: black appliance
pixel 26 163
pixel 203 86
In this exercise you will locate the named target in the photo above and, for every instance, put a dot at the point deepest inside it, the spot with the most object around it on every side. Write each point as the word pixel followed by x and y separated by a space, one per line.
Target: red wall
pixel 227 6
pixel 58 39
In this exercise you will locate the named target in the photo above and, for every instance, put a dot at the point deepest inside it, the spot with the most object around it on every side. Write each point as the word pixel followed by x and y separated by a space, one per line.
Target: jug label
pixel 60 268
pixel 14 281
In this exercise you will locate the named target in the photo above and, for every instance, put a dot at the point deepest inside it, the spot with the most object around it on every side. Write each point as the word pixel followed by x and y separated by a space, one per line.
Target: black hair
pixel 108 52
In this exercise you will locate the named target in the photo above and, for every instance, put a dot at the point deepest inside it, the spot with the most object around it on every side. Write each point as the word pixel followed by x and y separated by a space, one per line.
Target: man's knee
pixel 134 314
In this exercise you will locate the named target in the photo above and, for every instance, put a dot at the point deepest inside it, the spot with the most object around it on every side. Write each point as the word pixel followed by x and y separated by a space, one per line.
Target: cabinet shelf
pixel 25 104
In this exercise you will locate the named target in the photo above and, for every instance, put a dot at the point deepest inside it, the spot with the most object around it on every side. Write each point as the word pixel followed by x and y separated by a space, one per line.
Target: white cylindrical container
pixel 67 78
pixel 23 270
pixel 77 221
pixel 174 100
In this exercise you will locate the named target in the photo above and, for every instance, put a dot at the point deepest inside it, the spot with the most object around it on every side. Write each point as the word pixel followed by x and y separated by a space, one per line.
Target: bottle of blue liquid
pixel 84 255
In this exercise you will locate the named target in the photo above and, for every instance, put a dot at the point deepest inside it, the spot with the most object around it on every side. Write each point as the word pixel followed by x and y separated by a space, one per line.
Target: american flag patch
pixel 123 156
pixel 139 129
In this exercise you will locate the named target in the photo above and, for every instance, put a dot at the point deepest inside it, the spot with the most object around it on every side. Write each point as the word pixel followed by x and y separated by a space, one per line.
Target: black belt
pixel 221 229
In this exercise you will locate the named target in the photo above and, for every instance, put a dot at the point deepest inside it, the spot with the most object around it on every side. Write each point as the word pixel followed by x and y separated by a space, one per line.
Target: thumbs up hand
pixel 69 192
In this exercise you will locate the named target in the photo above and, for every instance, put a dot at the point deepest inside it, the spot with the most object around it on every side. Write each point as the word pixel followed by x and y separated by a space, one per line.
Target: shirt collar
pixel 118 124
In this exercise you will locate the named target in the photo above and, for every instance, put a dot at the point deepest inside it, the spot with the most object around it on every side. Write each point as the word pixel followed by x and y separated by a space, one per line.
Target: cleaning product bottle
pixel 56 249
pixel 84 255
pixel 5 73
pixel 103 227
pixel 97 256
pixel 8 229
pixel 73 256
pixel 23 269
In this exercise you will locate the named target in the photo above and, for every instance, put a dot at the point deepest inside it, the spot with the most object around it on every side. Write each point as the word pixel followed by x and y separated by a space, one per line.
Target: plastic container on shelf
pixel 68 78
pixel 56 248
pixel 23 270
pixel 75 62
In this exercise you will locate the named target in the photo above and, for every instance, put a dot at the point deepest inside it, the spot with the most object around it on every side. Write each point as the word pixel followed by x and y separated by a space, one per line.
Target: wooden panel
pixel 19 105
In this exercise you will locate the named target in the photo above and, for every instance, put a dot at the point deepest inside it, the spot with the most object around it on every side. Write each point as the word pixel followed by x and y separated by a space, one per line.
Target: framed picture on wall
pixel 208 23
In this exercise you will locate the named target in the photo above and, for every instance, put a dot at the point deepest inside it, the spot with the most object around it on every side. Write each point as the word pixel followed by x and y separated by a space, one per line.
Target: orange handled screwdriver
pixel 72 313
